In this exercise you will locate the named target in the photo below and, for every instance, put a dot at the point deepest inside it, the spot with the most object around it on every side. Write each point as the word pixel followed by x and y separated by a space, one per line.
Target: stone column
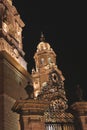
pixel 79 110
pixel 31 113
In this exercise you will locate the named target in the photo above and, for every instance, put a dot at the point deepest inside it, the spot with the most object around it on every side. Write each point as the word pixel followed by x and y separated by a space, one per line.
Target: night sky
pixel 64 26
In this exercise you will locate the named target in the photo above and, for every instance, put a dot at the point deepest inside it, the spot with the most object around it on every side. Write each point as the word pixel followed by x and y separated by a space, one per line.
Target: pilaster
pixel 31 113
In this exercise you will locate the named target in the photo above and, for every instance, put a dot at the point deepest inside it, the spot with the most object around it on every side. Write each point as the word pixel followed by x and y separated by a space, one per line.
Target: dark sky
pixel 64 25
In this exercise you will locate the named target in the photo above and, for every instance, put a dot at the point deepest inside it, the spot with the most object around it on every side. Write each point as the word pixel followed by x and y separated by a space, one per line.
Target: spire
pixel 42 38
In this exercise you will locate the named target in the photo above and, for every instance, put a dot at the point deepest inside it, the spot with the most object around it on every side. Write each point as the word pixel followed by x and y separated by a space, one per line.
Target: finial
pixel 42 38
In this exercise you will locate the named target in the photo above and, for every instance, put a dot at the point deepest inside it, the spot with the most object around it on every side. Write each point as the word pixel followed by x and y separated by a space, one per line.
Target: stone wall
pixel 13 79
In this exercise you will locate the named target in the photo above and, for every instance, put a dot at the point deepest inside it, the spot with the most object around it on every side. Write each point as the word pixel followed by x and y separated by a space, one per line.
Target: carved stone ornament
pixel 4 46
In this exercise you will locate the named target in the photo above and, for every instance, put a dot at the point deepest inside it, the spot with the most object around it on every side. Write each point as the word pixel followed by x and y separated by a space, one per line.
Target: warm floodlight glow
pixel 5 27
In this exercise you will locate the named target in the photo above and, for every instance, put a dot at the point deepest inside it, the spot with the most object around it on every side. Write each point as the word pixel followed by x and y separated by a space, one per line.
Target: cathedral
pixel 35 101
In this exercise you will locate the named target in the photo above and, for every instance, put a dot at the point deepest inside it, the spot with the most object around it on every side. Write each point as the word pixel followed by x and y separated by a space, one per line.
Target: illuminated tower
pixel 13 67
pixel 46 72
pixel 45 60
pixel 48 83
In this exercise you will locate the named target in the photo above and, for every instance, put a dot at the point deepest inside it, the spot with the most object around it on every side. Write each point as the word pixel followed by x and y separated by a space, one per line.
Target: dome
pixel 43 46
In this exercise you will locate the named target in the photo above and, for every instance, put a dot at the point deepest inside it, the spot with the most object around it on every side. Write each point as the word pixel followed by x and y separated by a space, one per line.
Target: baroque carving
pixel 11 23
pixel 4 46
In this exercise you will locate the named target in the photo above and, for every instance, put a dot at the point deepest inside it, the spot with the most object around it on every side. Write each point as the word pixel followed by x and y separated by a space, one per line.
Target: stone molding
pixel 4 46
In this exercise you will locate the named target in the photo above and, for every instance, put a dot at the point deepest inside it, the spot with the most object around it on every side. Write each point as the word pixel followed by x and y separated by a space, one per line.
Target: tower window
pixel 42 61
pixel 49 60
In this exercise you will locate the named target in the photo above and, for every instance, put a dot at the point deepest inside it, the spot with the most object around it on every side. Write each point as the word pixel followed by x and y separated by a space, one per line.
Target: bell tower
pixel 44 56
pixel 13 67
pixel 45 60
pixel 45 63
pixel 48 79
pixel 48 82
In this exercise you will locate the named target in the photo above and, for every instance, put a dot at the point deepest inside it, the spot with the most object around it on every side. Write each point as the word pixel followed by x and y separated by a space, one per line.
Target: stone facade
pixel 11 32
pixel 13 79
pixel 13 67
pixel 79 110
pixel 31 113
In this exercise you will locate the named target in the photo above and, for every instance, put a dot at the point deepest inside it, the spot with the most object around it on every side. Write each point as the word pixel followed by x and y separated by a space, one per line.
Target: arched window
pixel 42 61
pixel 49 60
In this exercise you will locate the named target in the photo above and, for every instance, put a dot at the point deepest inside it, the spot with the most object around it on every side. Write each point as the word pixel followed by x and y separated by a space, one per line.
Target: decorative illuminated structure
pixel 11 32
pixel 13 67
pixel 48 83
